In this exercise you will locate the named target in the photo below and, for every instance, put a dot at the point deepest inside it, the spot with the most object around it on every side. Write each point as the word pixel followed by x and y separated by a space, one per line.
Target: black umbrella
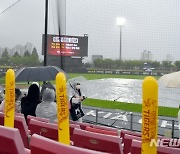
pixel 41 73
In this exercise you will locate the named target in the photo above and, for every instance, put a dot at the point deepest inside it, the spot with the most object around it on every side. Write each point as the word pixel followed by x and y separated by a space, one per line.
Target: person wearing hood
pixel 30 102
pixel 76 99
pixel 47 108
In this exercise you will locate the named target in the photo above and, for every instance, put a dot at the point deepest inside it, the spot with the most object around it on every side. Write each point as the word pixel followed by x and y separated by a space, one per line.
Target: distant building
pixel 94 57
pixel 146 55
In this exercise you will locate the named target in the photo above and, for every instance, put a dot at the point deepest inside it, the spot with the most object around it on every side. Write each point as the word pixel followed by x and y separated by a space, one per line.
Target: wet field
pixel 128 90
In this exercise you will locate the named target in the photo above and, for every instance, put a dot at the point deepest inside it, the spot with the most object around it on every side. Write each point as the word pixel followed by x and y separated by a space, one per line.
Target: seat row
pixel 84 135
pixel 105 140
pixel 11 142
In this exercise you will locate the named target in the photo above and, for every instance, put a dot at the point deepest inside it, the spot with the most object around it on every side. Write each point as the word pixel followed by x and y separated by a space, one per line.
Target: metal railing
pixel 167 126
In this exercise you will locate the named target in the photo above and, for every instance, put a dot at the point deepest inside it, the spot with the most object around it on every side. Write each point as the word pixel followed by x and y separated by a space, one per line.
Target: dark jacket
pixel 30 102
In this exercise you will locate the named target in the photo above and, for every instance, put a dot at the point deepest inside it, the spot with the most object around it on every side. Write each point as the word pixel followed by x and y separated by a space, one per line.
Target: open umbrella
pixel 171 80
pixel 40 73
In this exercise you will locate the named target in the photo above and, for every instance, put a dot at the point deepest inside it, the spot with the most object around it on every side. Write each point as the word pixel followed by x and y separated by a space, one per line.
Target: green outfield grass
pixel 102 76
pixel 162 111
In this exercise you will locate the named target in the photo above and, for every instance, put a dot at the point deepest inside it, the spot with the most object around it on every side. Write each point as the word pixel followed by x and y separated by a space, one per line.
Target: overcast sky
pixel 152 25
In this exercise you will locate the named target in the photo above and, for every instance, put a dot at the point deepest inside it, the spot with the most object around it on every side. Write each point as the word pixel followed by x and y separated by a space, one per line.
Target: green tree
pixel 177 64
pixel 35 57
pixel 5 58
pixel 16 54
pixel 27 54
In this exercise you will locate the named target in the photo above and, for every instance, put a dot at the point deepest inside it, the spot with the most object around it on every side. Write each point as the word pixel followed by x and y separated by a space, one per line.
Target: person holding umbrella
pixel 76 98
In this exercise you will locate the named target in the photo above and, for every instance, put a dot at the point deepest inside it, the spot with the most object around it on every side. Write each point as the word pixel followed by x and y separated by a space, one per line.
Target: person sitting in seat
pixel 18 95
pixel 30 102
pixel 47 108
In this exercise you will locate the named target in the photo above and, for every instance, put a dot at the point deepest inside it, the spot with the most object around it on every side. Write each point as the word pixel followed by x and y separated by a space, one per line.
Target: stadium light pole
pixel 120 21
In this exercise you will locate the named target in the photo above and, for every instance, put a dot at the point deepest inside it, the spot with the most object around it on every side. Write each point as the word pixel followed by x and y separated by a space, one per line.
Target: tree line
pixel 133 64
pixel 16 60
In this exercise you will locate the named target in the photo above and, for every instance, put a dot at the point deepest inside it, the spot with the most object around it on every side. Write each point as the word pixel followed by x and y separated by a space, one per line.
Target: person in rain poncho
pixel 76 97
pixel 47 108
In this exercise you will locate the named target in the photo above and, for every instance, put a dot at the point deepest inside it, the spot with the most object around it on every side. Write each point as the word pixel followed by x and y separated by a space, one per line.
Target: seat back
pixel 20 123
pixel 107 128
pixel 72 127
pixel 96 141
pixel 10 141
pixel 135 147
pixel 48 130
pixel 168 150
pixel 40 144
pixel 101 131
pixel 29 117
pixel 82 125
pixel 128 141
pixel 123 132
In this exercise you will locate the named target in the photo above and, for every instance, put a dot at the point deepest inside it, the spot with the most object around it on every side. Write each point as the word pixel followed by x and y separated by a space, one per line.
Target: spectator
pixel 47 85
pixel 30 102
pixel 18 95
pixel 76 99
pixel 47 108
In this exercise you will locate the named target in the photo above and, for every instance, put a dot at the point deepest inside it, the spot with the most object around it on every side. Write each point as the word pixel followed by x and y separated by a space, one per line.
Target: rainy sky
pixel 152 25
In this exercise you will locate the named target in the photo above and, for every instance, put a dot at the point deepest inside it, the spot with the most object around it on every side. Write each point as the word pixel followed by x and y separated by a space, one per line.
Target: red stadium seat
pixel 128 141
pixel 48 130
pixel 123 132
pixel 96 141
pixel 40 144
pixel 106 128
pixel 72 127
pixel 29 117
pixel 11 141
pixel 20 123
pixel 83 125
pixel 136 149
pixel 101 131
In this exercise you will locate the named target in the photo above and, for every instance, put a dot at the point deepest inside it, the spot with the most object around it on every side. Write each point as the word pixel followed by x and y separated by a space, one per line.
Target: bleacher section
pixel 40 136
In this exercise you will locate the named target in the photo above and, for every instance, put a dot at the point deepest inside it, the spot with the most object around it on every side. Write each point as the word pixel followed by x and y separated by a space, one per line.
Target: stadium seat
pixel 128 141
pixel 72 127
pixel 20 123
pixel 123 132
pixel 106 128
pixel 40 144
pixel 48 130
pixel 101 131
pixel 96 141
pixel 82 125
pixel 29 117
pixel 136 149
pixel 11 141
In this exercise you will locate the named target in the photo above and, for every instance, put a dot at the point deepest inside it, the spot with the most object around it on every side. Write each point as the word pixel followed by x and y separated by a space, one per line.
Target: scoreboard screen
pixel 66 45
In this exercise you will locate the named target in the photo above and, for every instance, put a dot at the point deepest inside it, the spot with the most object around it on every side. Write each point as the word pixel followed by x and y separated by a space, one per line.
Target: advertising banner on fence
pixel 70 45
